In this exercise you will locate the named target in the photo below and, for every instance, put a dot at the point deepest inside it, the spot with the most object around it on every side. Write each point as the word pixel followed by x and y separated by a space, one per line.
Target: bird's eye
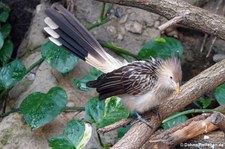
pixel 171 77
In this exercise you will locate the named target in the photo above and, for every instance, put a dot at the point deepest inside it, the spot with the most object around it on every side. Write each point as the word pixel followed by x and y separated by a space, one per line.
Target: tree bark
pixel 187 130
pixel 218 119
pixel 205 82
pixel 195 17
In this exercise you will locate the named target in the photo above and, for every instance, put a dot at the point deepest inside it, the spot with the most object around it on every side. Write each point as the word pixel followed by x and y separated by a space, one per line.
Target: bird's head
pixel 170 74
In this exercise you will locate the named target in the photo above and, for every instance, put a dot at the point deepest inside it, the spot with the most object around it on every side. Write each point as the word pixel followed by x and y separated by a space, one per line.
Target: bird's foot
pixel 139 118
pixel 155 110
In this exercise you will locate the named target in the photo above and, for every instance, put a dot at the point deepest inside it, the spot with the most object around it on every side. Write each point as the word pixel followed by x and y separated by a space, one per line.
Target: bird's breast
pixel 140 103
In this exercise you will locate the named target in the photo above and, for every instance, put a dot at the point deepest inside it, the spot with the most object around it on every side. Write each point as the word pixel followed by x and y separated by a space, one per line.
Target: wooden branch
pixel 116 125
pixel 206 81
pixel 214 139
pixel 171 22
pixel 187 130
pixel 218 119
pixel 196 18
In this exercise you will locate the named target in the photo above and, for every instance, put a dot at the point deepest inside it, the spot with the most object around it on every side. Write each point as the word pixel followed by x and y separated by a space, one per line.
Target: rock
pixel 15 134
pixel 111 29
pixel 40 84
pixel 134 27
pixel 218 57
pixel 123 19
pixel 142 16
pixel 152 33
pixel 118 12
pixel 219 46
pixel 156 24
pixel 34 36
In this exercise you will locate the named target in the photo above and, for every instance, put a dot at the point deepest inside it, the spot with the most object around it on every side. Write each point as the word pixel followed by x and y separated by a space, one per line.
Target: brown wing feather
pixel 135 78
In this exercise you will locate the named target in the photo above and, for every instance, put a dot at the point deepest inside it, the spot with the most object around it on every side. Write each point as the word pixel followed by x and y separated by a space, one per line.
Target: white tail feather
pixel 51 32
pixel 55 41
pixel 51 23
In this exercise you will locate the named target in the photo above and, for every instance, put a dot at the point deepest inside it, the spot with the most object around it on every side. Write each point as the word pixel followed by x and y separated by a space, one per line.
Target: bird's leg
pixel 155 110
pixel 139 118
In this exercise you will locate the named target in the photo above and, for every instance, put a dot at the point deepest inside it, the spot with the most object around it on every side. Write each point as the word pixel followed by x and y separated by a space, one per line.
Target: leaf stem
pixel 74 109
pixel 97 23
pixel 102 18
pixel 10 112
pixel 102 15
pixel 38 62
pixel 191 112
pixel 118 50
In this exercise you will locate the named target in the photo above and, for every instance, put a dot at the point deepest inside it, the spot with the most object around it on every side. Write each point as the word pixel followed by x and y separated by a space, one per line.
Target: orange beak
pixel 178 88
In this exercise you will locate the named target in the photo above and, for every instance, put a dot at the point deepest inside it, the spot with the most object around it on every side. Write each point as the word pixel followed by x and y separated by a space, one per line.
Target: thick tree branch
pixel 189 129
pixel 218 119
pixel 195 17
pixel 206 81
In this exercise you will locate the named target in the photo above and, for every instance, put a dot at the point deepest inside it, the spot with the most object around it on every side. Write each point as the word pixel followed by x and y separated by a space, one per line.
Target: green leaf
pixel 105 112
pixel 122 130
pixel 173 122
pixel 6 52
pixel 58 58
pixel 1 41
pixel 204 102
pixel 6 29
pixel 220 94
pixel 11 74
pixel 81 83
pixel 75 136
pixel 161 47
pixel 4 12
pixel 39 108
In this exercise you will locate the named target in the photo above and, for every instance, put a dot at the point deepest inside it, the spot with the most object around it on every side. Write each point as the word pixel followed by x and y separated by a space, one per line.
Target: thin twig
pixel 116 125
pixel 203 42
pixel 74 109
pixel 171 22
pixel 211 46
pixel 38 62
pixel 214 38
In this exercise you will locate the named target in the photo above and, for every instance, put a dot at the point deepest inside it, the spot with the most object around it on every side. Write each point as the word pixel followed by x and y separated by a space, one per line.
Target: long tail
pixel 66 31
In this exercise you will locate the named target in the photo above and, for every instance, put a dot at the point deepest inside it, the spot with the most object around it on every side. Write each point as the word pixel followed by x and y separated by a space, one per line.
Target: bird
pixel 142 84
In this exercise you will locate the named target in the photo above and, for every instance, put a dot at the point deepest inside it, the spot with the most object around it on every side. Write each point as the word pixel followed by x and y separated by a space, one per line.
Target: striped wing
pixel 136 78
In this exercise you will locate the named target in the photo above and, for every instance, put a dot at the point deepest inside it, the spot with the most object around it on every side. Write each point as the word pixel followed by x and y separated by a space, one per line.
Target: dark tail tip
pixel 92 84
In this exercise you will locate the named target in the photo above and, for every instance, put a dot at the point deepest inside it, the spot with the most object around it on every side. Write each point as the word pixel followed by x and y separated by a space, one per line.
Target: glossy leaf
pixel 1 41
pixel 122 131
pixel 204 102
pixel 220 94
pixel 4 12
pixel 58 58
pixel 6 29
pixel 161 47
pixel 105 112
pixel 75 136
pixel 81 83
pixel 39 108
pixel 11 74
pixel 6 52
pixel 173 122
